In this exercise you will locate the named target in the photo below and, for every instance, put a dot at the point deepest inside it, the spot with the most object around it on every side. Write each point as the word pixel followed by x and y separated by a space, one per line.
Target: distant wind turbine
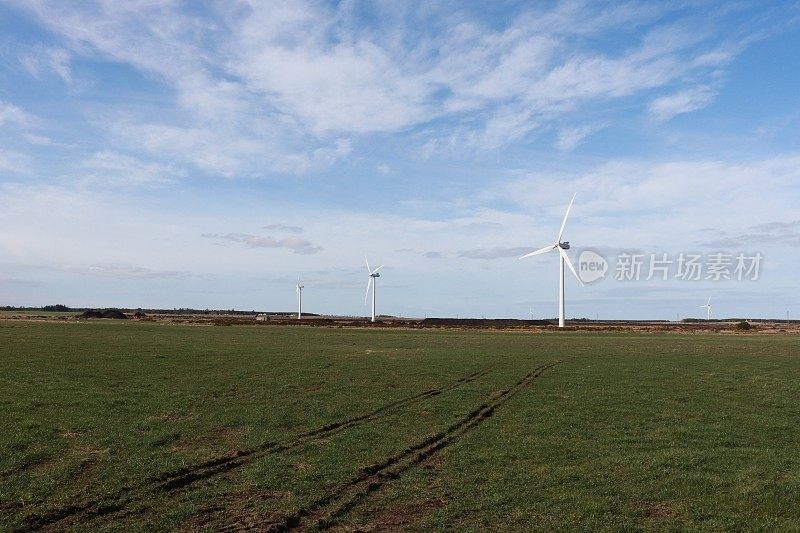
pixel 373 274
pixel 561 246
pixel 299 299
pixel 530 313
pixel 707 307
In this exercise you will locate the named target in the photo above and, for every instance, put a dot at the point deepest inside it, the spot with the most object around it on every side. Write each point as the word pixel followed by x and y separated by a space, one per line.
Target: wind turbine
pixel 373 274
pixel 707 307
pixel 561 246
pixel 530 313
pixel 299 299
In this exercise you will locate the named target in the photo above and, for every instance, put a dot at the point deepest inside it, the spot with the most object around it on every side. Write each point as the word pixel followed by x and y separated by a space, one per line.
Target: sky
pixel 165 154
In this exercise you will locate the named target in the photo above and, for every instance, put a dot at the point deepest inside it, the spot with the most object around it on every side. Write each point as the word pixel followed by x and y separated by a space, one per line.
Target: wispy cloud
pixel 665 108
pixel 36 139
pixel 777 227
pixel 127 272
pixel 11 114
pixel 285 86
pixel 493 253
pixel 766 234
pixel 283 227
pixel 296 244
pixel 40 59
pixel 570 138
pixel 112 168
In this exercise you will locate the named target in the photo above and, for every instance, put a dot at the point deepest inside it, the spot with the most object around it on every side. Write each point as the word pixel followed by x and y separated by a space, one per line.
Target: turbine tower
pixel 561 246
pixel 373 275
pixel 299 299
pixel 707 307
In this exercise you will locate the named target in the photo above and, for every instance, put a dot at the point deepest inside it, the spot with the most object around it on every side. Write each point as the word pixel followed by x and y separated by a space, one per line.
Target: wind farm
pixel 583 218
pixel 302 420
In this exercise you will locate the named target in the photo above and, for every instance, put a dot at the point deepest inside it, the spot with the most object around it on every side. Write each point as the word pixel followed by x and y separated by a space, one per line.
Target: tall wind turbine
pixel 373 274
pixel 561 246
pixel 707 307
pixel 299 299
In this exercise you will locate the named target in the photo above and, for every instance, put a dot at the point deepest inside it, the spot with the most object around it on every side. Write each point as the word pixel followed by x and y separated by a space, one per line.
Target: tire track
pixel 326 511
pixel 184 477
pixel 187 476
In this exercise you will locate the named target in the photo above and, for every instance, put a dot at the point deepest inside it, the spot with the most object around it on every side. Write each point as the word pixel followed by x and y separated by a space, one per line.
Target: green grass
pixel 666 432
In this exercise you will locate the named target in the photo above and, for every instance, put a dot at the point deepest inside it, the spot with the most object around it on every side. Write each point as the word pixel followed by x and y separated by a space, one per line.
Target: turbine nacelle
pixel 564 245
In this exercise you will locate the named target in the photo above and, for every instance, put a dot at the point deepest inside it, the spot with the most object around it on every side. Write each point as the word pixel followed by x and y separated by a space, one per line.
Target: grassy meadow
pixel 144 426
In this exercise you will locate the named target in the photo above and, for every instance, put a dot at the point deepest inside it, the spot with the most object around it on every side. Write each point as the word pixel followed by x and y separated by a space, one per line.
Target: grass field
pixel 148 426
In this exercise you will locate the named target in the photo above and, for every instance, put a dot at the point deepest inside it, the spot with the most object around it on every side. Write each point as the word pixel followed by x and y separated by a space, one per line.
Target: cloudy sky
pixel 160 153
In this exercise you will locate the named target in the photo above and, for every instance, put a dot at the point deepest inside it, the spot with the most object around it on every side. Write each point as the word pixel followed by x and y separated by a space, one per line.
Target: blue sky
pixel 176 154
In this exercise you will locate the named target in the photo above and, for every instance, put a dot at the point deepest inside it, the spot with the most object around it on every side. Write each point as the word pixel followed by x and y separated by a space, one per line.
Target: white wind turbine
pixel 530 313
pixel 561 246
pixel 299 299
pixel 373 274
pixel 707 307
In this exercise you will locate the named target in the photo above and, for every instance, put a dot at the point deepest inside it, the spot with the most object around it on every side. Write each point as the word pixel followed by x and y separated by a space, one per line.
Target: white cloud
pixel 43 140
pixel 665 108
pixel 634 203
pixel 127 272
pixel 11 114
pixel 296 244
pixel 112 168
pixel 40 59
pixel 493 253
pixel 570 138
pixel 273 86
pixel 624 204
pixel 330 154
pixel 283 227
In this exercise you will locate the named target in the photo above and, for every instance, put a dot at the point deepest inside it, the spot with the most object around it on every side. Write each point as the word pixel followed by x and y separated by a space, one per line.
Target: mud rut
pixel 324 512
pixel 171 481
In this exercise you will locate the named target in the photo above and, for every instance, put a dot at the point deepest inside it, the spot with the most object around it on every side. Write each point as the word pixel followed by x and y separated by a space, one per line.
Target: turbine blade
pixel 569 264
pixel 366 296
pixel 566 215
pixel 539 251
pixel 380 267
pixel 367 261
